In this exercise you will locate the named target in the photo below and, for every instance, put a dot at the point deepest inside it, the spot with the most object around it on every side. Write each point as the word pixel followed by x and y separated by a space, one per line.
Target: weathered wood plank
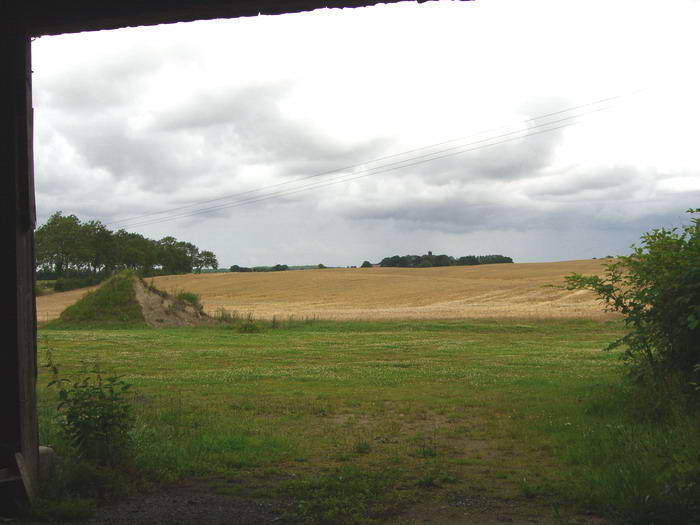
pixel 18 419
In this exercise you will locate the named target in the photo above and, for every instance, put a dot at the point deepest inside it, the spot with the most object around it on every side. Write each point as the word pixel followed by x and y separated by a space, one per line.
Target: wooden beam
pixel 51 17
pixel 18 418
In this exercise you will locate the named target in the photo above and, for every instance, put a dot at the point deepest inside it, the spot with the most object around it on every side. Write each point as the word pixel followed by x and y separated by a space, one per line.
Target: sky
pixel 543 130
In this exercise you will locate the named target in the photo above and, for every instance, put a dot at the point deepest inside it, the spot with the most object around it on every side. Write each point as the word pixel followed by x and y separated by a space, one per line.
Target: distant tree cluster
pixel 429 260
pixel 275 268
pixel 67 247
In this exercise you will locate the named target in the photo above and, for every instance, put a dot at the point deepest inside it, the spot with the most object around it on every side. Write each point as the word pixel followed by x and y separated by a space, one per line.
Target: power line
pixel 506 137
pixel 129 222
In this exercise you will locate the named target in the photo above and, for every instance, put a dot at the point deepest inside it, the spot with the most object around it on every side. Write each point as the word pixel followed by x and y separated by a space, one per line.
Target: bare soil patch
pixel 164 310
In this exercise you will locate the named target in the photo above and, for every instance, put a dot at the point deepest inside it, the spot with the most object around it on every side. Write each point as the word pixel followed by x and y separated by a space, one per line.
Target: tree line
pixel 65 247
pixel 275 268
pixel 429 260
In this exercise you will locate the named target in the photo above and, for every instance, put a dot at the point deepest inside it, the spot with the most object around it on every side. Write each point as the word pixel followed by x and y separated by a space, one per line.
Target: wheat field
pixel 510 291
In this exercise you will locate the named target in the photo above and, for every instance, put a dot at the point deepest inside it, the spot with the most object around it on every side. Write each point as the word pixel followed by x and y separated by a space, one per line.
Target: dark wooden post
pixel 18 417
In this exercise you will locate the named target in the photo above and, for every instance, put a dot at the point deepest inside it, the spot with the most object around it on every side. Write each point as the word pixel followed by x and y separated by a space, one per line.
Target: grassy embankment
pixel 403 412
pixel 111 306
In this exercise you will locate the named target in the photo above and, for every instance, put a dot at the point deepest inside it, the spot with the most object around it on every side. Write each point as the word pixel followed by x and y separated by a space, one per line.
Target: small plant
pixel 249 326
pixel 192 298
pixel 362 447
pixel 95 414
pixel 225 316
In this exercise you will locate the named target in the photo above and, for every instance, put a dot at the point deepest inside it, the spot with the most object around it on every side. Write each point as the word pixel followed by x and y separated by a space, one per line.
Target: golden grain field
pixel 497 291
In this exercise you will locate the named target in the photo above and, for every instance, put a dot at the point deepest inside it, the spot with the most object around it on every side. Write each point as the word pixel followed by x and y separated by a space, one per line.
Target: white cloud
pixel 146 119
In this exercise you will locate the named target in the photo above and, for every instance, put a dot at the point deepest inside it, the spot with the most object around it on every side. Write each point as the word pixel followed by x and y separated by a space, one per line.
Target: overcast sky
pixel 266 139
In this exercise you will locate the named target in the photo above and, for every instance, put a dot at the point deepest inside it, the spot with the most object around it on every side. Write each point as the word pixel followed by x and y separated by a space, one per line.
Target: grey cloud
pixel 496 208
pixel 614 181
pixel 249 119
pixel 516 159
pixel 497 159
pixel 89 87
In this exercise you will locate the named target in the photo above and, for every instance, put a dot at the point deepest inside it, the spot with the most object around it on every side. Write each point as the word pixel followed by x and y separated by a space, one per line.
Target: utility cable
pixel 128 221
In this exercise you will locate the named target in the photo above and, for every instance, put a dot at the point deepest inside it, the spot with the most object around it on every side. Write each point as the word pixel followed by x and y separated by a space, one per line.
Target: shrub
pixel 95 414
pixel 657 290
pixel 65 284
pixel 366 264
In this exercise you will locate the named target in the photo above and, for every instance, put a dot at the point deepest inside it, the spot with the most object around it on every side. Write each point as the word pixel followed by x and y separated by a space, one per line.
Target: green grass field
pixel 406 414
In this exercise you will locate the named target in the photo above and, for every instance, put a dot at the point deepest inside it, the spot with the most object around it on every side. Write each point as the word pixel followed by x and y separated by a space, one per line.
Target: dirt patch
pixel 473 508
pixel 198 503
pixel 163 310
pixel 184 505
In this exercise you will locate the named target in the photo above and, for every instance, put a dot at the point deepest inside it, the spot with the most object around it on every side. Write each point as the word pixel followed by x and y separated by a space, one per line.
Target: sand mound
pixel 160 309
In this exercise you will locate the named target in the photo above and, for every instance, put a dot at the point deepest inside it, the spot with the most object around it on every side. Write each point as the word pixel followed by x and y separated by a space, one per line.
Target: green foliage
pixel 113 305
pixel 64 284
pixel 70 249
pixel 428 260
pixel 205 259
pixel 95 413
pixel 657 290
pixel 366 264
pixel 43 287
pixel 192 298
pixel 236 268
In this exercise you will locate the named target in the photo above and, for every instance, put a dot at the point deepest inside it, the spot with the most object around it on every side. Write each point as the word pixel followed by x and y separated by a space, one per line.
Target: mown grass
pixel 357 422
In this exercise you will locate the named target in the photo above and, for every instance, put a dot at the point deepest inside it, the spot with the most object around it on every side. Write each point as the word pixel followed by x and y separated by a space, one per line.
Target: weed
pixel 192 298
pixel 427 446
pixel 226 316
pixel 362 447
pixel 249 326
pixel 95 413
pixel 428 480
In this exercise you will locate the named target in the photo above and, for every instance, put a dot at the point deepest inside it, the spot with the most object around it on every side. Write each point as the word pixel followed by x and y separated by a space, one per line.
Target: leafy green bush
pixel 95 414
pixel 65 284
pixel 657 289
